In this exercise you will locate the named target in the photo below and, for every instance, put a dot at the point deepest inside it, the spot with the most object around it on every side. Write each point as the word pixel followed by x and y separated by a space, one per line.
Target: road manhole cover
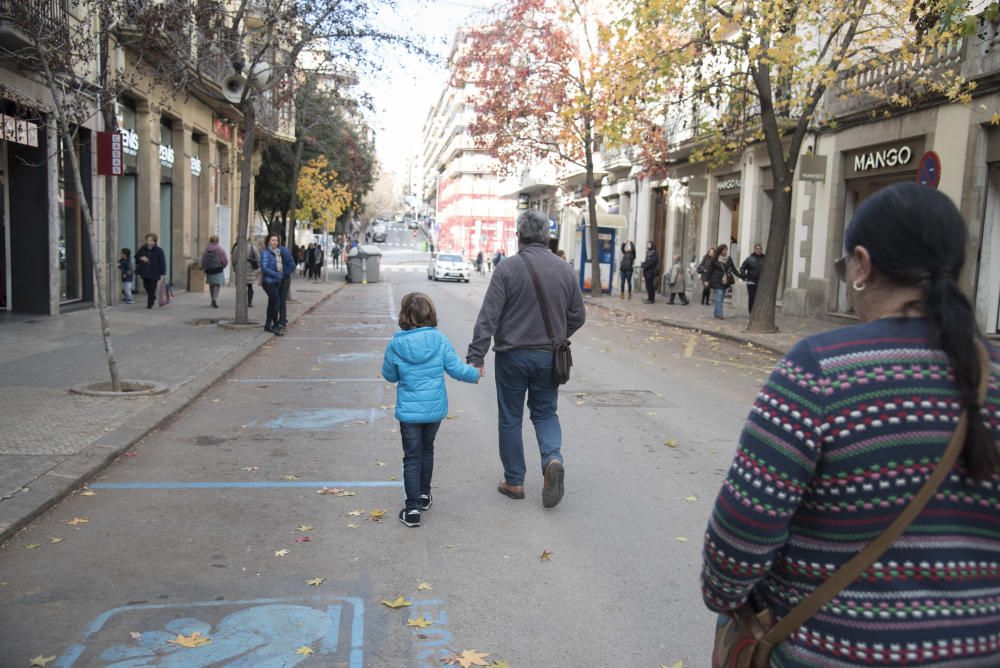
pixel 618 399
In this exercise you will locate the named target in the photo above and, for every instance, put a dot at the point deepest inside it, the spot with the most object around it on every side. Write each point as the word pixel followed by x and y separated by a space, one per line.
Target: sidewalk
pixel 699 318
pixel 52 439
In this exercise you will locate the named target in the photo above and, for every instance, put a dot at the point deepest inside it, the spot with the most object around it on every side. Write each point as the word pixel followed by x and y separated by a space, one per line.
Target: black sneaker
pixel 410 518
pixel 425 501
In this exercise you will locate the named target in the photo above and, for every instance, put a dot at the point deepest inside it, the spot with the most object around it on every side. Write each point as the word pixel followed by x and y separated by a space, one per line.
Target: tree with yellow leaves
pixel 322 199
pixel 751 72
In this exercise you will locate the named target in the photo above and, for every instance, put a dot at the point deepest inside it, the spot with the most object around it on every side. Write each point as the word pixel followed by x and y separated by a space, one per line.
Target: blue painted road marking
pixel 345 357
pixel 322 418
pixel 264 633
pixel 237 485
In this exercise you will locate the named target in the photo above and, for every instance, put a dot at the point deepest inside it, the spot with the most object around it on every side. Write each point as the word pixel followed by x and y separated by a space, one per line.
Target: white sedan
pixel 449 266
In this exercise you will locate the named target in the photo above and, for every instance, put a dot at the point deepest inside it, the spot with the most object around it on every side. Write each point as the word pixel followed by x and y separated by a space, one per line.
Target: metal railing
pixel 34 15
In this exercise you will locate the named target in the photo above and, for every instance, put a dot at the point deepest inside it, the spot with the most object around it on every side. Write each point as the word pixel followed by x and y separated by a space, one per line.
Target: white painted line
pixel 307 380
pixel 351 315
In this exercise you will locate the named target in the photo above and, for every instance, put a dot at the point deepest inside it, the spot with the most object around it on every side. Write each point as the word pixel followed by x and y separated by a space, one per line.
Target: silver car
pixel 449 266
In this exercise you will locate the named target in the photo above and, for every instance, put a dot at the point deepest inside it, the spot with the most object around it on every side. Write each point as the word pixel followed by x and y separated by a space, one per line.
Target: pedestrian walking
pixel 626 268
pixel 300 258
pixel 251 269
pixel 151 265
pixel 512 316
pixel 750 272
pixel 127 273
pixel 276 265
pixel 861 434
pixel 479 262
pixel 417 358
pixel 650 272
pixel 310 257
pixel 318 259
pixel 497 258
pixel 335 255
pixel 214 262
pixel 677 281
pixel 721 276
pixel 703 270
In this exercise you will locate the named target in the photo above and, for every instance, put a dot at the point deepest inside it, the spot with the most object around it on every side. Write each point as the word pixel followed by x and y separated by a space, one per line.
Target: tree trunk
pixel 243 215
pixel 293 202
pixel 596 287
pixel 95 249
pixel 110 125
pixel 765 305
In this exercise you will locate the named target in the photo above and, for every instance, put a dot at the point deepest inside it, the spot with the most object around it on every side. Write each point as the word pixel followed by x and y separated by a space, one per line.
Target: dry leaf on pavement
pixel 355 513
pixel 352 526
pixel 55 539
pixel 679 664
pixel 315 582
pixel 305 650
pixel 378 463
pixel 135 635
pixel 424 586
pixel 420 622
pixel 671 443
pixel 193 640
pixel 303 539
pixel 291 477
pixel 691 499
pixel 304 527
pixel 376 515
pixel 281 553
pixel 499 664
pixel 468 658
pixel 88 492
pixel 76 521
pixel 546 556
pixel 250 468
pixel 398 603
pixel 680 539
pixel 42 660
pixel 32 546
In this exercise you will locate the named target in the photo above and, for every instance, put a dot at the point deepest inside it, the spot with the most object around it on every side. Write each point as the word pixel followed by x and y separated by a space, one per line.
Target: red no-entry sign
pixel 929 169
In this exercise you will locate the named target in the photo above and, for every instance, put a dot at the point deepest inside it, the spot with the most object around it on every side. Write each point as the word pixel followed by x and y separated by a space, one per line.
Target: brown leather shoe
pixel 513 491
pixel 552 490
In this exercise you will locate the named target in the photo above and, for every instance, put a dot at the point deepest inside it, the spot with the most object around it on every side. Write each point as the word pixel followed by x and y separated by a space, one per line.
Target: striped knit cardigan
pixel 846 430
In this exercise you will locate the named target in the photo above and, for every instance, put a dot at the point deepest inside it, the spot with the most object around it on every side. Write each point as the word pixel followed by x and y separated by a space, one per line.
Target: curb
pixel 57 483
pixel 770 347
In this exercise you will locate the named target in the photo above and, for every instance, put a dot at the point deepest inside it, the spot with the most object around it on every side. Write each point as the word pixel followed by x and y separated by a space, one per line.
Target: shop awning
pixel 615 220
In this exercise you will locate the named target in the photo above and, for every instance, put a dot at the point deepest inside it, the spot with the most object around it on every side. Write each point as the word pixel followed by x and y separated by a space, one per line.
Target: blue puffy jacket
pixel 418 359
pixel 269 266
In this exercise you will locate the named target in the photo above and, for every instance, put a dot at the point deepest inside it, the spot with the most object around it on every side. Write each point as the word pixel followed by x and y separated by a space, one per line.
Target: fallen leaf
pixel 355 513
pixel 378 463
pixel 42 660
pixel 132 453
pixel 691 499
pixel 679 664
pixel 88 492
pixel 344 492
pixel 499 664
pixel 581 394
pixel 361 421
pixel 680 539
pixel 424 586
pixel 32 546
pixel 469 657
pixel 305 650
pixel 451 417
pixel 291 477
pixel 303 527
pixel 392 477
pixel 419 622
pixel 76 521
pixel 546 556
pixel 376 515
pixel 250 468
pixel 281 553
pixel 315 582
pixel 303 539
pixel 671 443
pixel 398 603
pixel 135 635
pixel 352 526
pixel 329 490
pixel 54 539
pixel 193 640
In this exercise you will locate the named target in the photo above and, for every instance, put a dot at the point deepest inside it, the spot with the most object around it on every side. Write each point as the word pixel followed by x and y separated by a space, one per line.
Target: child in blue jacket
pixel 417 358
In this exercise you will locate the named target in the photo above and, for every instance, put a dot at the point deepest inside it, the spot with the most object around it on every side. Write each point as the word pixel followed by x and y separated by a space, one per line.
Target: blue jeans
pixel 626 281
pixel 720 294
pixel 519 372
pixel 273 304
pixel 418 459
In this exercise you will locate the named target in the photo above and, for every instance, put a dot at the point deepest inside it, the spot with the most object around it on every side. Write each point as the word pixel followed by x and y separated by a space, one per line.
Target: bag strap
pixel 847 573
pixel 543 302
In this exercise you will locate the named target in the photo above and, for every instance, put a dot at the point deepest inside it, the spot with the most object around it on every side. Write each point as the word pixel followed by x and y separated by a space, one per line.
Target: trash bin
pixel 363 264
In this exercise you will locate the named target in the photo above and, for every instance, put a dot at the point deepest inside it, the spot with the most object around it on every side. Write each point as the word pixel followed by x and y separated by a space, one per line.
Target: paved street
pixel 183 536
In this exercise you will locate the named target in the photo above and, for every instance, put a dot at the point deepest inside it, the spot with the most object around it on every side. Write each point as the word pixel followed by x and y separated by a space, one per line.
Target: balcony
pixel 21 19
pixel 618 160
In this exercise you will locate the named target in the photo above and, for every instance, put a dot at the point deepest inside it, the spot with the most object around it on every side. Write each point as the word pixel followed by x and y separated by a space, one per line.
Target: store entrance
pixel 988 279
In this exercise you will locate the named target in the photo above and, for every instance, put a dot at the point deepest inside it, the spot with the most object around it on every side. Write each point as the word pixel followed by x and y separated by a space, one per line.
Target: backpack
pixel 211 262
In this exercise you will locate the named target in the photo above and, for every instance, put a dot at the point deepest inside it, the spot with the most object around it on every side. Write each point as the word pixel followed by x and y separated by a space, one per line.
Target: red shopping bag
pixel 164 294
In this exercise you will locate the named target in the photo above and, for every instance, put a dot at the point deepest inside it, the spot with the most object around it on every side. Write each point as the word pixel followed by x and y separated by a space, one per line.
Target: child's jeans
pixel 418 459
pixel 127 289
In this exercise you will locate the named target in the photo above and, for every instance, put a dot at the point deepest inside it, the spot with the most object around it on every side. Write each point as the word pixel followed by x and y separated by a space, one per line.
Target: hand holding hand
pixel 482 372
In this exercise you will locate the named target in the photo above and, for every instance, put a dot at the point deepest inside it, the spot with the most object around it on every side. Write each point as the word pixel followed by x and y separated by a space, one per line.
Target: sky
pixel 408 85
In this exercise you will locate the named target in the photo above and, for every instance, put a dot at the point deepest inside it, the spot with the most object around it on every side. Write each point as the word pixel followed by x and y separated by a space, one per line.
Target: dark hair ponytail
pixel 916 236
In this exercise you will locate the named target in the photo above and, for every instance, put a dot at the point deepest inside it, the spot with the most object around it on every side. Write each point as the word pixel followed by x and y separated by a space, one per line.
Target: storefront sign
pixel 698 188
pixel 130 141
pixel 166 156
pixel 19 131
pixel 110 156
pixel 929 170
pixel 195 165
pixel 812 168
pixel 892 158
pixel 729 184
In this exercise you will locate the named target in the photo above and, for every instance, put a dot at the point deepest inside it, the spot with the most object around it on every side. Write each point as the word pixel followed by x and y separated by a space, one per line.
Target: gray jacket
pixel 510 314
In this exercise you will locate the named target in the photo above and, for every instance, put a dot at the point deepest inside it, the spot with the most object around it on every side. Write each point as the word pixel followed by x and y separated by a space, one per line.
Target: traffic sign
pixel 929 170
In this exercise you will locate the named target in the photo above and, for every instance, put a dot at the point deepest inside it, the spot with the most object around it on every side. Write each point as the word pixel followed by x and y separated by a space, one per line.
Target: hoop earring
pixel 858 286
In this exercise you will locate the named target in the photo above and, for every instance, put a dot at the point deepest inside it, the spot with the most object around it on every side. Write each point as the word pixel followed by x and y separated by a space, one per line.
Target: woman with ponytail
pixel 848 428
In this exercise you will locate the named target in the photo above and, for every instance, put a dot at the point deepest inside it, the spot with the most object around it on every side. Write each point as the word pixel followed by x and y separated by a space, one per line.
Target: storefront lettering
pixel 887 157
pixel 734 183
pixel 166 156
pixel 130 141
pixel 195 165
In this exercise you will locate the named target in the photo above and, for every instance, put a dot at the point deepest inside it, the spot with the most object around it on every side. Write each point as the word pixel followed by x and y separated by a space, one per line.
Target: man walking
pixel 511 315
pixel 750 272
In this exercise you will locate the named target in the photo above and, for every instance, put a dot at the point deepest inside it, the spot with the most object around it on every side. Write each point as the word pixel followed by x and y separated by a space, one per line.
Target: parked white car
pixel 449 266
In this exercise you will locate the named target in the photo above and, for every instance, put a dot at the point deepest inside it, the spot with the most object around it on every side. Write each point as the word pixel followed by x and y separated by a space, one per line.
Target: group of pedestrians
pixel 312 259
pixel 150 265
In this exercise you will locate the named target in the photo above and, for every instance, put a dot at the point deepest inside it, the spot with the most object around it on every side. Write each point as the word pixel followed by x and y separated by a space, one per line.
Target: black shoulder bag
pixel 562 358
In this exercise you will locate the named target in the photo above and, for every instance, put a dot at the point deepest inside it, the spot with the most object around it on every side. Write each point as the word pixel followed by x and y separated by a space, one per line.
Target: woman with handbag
pixel 214 262
pixel 861 434
pixel 704 267
pixel 721 275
